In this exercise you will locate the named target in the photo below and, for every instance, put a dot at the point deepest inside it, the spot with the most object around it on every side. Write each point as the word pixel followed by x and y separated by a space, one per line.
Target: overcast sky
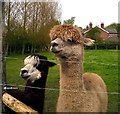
pixel 86 11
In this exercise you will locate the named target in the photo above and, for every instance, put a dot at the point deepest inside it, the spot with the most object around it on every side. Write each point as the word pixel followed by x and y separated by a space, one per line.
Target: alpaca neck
pixel 71 74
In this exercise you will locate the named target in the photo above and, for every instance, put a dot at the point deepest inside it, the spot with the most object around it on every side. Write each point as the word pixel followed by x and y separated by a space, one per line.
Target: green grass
pixel 102 62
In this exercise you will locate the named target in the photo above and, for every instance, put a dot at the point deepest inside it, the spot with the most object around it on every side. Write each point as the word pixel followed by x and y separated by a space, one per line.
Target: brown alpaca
pixel 78 92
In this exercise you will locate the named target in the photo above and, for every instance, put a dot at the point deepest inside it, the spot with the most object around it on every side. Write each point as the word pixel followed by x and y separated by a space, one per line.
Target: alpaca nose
pixel 24 74
pixel 54 44
pixel 53 47
pixel 24 71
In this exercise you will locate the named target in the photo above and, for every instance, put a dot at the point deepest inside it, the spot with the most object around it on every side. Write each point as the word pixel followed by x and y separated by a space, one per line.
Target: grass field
pixel 102 62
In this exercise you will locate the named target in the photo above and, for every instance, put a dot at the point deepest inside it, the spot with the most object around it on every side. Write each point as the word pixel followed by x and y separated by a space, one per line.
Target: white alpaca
pixel 78 92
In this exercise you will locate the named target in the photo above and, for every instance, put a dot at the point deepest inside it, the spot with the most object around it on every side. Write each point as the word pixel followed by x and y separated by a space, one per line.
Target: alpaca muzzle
pixel 54 47
pixel 24 74
pixel 54 50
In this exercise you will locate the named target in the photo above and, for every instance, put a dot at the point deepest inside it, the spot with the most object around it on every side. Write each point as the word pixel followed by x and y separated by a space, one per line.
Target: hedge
pixel 105 45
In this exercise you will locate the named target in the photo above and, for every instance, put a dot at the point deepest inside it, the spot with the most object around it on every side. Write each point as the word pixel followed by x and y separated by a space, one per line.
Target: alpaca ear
pixel 88 41
pixel 51 64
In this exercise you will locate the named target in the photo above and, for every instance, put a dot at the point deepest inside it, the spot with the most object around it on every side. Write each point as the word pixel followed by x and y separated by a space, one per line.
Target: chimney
pixel 87 27
pixel 102 25
pixel 90 25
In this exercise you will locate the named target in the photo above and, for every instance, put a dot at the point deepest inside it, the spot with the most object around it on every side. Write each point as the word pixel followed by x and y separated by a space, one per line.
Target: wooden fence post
pixel 16 105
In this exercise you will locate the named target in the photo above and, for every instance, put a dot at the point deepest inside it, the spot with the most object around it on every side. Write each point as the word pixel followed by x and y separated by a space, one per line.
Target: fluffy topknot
pixel 65 32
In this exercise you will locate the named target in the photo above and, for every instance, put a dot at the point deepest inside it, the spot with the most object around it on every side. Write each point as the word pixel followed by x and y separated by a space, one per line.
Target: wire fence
pixel 93 62
pixel 13 86
pixel 57 89
pixel 113 105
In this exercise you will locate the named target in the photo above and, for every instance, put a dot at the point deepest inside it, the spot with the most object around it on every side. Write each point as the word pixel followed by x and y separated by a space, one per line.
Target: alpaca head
pixel 67 41
pixel 35 65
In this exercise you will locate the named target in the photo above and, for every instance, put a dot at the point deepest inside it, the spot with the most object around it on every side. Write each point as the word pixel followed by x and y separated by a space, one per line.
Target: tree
pixel 28 24
pixel 112 26
pixel 118 30
pixel 94 33
pixel 70 21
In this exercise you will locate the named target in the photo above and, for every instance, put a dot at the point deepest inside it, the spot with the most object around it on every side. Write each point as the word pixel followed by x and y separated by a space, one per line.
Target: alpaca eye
pixel 69 40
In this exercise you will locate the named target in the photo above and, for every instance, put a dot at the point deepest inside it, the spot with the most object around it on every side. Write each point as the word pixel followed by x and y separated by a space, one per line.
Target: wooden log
pixel 17 105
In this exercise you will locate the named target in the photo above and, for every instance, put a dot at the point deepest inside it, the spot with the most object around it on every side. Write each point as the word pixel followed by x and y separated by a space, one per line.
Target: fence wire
pixel 57 89
pixel 13 86
pixel 93 62
pixel 113 103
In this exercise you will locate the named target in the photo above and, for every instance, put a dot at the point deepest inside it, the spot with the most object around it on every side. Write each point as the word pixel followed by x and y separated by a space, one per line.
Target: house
pixel 105 34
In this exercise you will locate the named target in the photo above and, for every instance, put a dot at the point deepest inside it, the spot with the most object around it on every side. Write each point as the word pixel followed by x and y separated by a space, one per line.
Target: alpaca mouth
pixel 25 75
pixel 56 51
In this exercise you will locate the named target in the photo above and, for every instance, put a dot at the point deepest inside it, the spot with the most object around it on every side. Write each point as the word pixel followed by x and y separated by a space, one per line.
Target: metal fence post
pixel 2 70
